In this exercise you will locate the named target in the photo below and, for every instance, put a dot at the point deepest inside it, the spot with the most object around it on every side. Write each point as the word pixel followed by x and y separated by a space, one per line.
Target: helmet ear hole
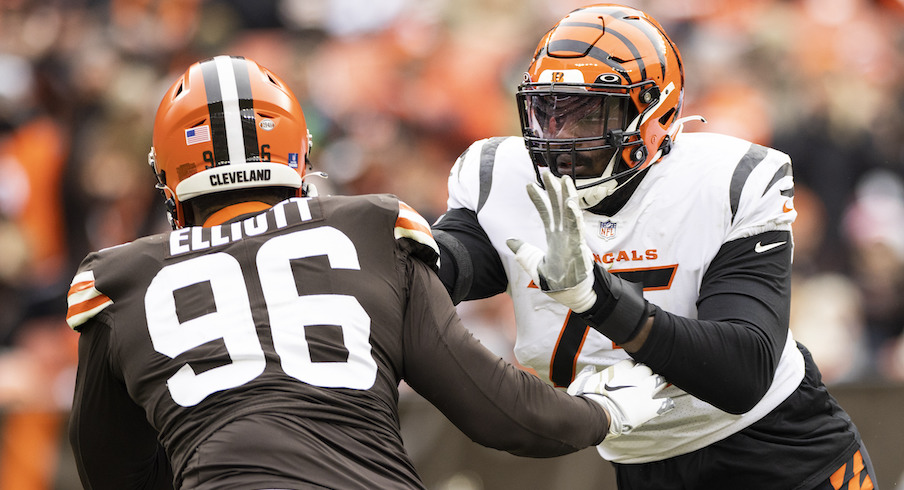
pixel 666 119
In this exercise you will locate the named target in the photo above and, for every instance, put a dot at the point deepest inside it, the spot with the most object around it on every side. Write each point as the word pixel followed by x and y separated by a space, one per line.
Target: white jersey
pixel 709 190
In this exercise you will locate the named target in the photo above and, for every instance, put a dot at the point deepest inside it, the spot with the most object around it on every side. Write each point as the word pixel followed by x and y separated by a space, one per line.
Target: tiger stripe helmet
pixel 614 70
pixel 227 123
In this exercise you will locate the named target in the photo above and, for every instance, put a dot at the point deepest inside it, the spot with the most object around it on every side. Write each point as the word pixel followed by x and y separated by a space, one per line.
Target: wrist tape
pixel 620 309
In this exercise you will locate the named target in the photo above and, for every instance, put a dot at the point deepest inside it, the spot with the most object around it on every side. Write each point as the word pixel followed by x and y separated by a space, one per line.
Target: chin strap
pixel 591 196
pixel 678 127
pixel 680 123
pixel 308 189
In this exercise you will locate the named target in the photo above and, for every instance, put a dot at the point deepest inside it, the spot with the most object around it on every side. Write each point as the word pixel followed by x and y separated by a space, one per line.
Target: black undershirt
pixel 726 357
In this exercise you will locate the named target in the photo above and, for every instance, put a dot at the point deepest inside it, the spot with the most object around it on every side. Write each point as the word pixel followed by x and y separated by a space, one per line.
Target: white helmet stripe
pixel 231 111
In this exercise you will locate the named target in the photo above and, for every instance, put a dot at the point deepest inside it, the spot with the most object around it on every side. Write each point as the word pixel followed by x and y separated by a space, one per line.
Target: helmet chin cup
pixel 594 194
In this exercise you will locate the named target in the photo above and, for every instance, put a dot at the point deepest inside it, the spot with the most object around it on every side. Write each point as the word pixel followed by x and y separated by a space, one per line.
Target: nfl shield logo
pixel 607 230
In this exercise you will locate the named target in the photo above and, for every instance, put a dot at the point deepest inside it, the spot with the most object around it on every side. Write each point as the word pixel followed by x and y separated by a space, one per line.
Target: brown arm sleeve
pixel 113 443
pixel 493 402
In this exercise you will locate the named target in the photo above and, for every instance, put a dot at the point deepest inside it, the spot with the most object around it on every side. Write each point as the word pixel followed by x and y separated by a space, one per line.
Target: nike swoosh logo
pixel 616 388
pixel 760 248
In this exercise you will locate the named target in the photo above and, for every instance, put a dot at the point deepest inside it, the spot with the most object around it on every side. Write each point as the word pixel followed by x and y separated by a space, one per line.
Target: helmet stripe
pixel 652 34
pixel 633 49
pixel 231 108
pixel 232 114
pixel 613 28
pixel 246 109
pixel 582 47
pixel 591 25
pixel 215 110
pixel 674 51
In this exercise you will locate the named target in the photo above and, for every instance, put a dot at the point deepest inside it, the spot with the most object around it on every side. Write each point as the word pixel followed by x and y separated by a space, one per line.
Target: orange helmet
pixel 227 123
pixel 606 83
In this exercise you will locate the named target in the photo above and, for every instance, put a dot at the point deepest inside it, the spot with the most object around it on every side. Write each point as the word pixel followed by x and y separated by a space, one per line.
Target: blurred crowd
pixel 393 92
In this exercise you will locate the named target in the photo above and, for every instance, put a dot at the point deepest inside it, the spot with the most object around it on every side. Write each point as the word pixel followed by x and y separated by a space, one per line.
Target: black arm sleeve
pixel 470 267
pixel 493 402
pixel 728 356
pixel 113 443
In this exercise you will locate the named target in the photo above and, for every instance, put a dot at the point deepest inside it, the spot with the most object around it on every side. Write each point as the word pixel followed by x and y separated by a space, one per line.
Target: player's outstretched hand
pixel 627 391
pixel 565 272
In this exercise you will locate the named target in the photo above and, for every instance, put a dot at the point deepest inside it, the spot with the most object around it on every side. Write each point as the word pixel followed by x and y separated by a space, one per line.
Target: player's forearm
pixel 491 401
pixel 728 355
pixel 496 404
pixel 727 364
pixel 640 339
pixel 521 415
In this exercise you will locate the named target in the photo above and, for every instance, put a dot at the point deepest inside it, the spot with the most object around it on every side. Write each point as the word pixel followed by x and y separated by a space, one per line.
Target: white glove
pixel 626 390
pixel 565 272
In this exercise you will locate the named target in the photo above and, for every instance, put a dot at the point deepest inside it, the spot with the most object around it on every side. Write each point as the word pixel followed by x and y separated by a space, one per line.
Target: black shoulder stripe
pixel 755 154
pixel 781 173
pixel 487 160
pixel 461 158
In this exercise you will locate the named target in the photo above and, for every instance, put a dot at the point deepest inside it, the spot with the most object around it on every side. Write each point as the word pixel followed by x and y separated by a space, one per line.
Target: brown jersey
pixel 267 353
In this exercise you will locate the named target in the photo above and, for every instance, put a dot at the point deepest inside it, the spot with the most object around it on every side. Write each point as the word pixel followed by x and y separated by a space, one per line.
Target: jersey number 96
pixel 230 318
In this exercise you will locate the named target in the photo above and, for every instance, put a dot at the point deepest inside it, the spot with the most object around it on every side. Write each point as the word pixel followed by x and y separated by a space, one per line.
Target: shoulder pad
pixel 84 299
pixel 411 225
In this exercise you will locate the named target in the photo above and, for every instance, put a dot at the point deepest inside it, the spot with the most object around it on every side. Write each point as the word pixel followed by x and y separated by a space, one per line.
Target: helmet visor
pixel 575 116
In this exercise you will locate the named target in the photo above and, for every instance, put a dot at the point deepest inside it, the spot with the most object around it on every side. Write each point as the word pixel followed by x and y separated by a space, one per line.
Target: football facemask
pixel 620 76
